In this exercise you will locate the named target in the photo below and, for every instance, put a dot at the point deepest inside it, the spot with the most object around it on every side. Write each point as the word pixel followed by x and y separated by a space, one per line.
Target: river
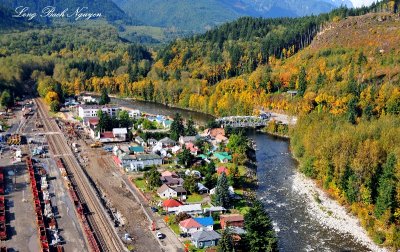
pixel 297 230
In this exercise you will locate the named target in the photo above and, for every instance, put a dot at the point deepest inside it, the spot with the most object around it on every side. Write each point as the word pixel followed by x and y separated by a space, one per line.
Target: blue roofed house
pixel 207 223
pixel 136 149
pixel 223 157
pixel 205 239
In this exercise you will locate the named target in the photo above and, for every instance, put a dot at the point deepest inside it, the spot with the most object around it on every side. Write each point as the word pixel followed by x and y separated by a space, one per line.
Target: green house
pixel 136 149
pixel 223 157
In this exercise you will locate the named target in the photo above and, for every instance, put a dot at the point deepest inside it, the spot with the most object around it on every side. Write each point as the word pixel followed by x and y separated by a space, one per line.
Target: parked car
pixel 154 209
pixel 183 235
pixel 160 235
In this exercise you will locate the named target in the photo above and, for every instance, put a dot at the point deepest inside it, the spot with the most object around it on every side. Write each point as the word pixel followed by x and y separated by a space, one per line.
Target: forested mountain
pixel 196 16
pixel 345 66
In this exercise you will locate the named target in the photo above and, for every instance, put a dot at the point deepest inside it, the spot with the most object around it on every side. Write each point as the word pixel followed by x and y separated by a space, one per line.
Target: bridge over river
pixel 255 121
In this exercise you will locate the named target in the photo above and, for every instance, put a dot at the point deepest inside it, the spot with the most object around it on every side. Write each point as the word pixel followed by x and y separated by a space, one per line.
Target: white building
pixel 88 99
pixel 138 162
pixel 192 209
pixel 120 133
pixel 85 111
pixel 134 113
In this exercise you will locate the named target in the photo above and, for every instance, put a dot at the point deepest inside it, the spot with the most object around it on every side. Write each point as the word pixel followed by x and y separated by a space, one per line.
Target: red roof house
pixel 171 203
pixel 189 226
pixel 222 169
pixel 231 220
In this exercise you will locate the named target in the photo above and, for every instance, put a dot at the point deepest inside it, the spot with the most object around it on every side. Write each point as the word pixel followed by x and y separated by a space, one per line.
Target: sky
pixel 359 3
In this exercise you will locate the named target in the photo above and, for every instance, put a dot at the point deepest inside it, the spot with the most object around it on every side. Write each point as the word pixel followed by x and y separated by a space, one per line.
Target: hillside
pixel 344 66
pixel 198 16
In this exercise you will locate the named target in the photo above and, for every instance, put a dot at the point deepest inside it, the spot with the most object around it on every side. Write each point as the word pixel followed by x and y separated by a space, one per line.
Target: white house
pixel 189 226
pixel 120 134
pixel 166 192
pixel 192 209
pixel 134 113
pixel 151 142
pixel 88 98
pixel 138 162
pixel 85 111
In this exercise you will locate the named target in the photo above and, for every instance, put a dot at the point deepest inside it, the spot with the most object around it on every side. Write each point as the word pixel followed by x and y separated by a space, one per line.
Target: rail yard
pixel 93 217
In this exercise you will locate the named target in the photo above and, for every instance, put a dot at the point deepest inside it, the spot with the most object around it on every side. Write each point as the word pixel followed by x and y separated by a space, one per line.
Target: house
pixel 187 139
pixel 88 99
pixel 139 161
pixel 191 209
pixel 207 223
pixel 167 142
pixel 134 113
pixel 169 173
pixel 202 189
pixel 171 181
pixel 189 226
pixel 223 157
pixel 175 149
pixel 106 137
pixel 214 209
pixel 120 134
pixel 220 139
pixel 235 220
pixel 166 123
pixel 151 142
pixel 166 192
pixel 171 203
pixel 222 169
pixel 85 111
pixel 192 148
pixel 140 141
pixel 214 132
pixel 205 239
pixel 136 149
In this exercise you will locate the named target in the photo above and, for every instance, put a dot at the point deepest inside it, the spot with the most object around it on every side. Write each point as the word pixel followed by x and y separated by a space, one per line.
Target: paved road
pixel 286 119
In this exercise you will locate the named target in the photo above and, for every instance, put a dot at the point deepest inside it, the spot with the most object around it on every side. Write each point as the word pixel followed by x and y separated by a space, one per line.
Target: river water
pixel 297 230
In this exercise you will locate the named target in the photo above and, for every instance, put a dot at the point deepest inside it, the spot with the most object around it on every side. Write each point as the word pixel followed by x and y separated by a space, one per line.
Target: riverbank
pixel 329 213
pixel 275 165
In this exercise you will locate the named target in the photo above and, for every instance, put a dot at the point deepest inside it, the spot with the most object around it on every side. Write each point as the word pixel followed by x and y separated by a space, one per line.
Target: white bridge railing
pixel 245 121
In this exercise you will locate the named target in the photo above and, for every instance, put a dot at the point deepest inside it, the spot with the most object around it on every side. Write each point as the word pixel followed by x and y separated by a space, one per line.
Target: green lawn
pixel 242 168
pixel 140 183
pixel 175 228
pixel 194 198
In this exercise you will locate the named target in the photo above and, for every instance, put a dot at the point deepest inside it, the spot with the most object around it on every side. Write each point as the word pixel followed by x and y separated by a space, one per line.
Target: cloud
pixel 359 3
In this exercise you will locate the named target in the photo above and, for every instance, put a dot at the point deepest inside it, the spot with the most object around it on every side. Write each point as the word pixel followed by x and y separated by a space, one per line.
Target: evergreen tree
pixel 104 98
pixel 190 129
pixel 190 184
pixel 302 81
pixel 222 197
pixel 260 234
pixel 6 99
pixel 124 120
pixel 55 106
pixel 386 187
pixel 225 244
pixel 153 178
pixel 177 128
pixel 185 158
pixel 352 110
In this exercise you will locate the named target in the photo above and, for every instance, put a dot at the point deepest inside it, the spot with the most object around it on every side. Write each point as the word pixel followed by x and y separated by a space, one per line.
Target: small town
pixel 187 185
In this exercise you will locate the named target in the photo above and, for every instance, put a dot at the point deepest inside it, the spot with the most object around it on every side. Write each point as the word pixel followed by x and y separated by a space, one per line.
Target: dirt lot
pixel 136 223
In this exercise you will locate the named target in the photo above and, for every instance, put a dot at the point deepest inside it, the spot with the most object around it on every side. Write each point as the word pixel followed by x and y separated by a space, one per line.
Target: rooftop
pixel 231 217
pixel 205 236
pixel 190 223
pixel 205 221
pixel 171 203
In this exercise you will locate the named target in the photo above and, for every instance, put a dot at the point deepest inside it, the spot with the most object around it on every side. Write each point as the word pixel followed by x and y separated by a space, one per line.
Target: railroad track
pixel 102 226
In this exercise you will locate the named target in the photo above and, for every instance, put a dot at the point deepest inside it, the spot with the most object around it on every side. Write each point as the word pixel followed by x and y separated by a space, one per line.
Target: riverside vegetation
pixel 344 65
